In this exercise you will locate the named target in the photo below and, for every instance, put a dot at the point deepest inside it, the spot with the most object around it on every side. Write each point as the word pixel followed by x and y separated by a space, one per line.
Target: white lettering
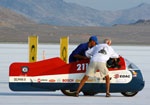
pixel 82 66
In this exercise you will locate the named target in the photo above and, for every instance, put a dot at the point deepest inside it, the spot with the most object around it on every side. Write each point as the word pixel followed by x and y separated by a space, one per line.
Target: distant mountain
pixel 133 14
pixel 60 13
pixel 142 22
pixel 8 18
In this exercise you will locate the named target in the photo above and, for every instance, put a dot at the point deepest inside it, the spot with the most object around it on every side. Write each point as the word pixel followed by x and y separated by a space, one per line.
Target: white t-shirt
pixel 101 53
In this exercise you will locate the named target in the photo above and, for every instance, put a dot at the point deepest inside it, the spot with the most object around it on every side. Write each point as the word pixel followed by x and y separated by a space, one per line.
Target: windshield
pixel 130 65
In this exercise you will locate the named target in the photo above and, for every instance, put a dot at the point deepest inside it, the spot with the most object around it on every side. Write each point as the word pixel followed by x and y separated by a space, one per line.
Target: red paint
pixel 51 66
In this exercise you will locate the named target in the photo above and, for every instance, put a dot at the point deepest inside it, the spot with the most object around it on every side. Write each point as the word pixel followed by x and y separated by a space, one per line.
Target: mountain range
pixel 61 13
pixel 52 19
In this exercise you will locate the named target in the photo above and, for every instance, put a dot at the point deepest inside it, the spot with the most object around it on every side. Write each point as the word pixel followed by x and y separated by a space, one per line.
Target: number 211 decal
pixel 82 67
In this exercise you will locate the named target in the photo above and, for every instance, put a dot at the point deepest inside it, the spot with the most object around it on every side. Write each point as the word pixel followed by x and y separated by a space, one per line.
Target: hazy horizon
pixel 111 5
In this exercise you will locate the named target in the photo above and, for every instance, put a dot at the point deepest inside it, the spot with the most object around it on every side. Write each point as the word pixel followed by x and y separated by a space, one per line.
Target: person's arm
pixel 113 53
pixel 79 51
pixel 80 56
pixel 89 53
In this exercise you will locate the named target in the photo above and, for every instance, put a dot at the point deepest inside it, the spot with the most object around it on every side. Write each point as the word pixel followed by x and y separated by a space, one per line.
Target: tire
pixel 68 92
pixel 89 94
pixel 71 93
pixel 129 94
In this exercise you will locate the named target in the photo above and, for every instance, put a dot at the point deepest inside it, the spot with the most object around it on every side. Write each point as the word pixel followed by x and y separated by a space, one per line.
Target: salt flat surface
pixel 140 55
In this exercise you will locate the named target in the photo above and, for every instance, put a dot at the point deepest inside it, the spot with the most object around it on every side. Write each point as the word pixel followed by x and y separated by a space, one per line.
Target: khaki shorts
pixel 94 66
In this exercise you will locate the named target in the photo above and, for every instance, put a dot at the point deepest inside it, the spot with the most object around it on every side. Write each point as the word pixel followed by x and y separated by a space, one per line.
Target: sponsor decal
pixel 105 78
pixel 19 79
pixel 134 74
pixel 38 80
pixel 116 76
pixel 52 80
pixel 58 80
pixel 78 80
pixel 89 80
pixel 67 80
pixel 98 79
pixel 42 80
pixel 124 76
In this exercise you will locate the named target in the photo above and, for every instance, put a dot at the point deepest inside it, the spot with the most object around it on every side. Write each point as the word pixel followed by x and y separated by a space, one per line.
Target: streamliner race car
pixel 54 74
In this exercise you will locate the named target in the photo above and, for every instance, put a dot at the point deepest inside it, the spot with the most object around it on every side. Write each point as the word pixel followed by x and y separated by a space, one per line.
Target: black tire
pixel 68 92
pixel 129 94
pixel 89 93
pixel 71 93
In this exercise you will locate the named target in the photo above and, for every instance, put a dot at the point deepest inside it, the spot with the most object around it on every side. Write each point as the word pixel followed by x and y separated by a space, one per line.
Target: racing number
pixel 82 67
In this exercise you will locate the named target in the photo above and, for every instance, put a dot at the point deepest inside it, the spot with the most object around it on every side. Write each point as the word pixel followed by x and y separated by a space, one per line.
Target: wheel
pixel 89 93
pixel 68 92
pixel 129 94
pixel 71 93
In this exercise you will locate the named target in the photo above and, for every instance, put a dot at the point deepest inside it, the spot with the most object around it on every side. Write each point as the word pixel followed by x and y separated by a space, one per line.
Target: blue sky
pixel 109 4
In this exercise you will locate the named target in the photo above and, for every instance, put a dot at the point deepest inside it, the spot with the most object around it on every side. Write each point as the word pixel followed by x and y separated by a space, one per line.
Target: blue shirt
pixel 81 49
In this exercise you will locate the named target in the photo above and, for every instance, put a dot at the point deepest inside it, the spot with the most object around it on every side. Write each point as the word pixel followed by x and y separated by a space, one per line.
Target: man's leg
pixel 89 72
pixel 104 71
pixel 84 79
pixel 107 85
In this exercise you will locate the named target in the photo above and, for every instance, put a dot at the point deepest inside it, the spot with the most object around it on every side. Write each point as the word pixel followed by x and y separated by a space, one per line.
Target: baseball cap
pixel 94 38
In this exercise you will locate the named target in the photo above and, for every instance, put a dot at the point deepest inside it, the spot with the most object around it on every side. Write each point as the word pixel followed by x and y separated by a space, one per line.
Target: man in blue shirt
pixel 79 52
